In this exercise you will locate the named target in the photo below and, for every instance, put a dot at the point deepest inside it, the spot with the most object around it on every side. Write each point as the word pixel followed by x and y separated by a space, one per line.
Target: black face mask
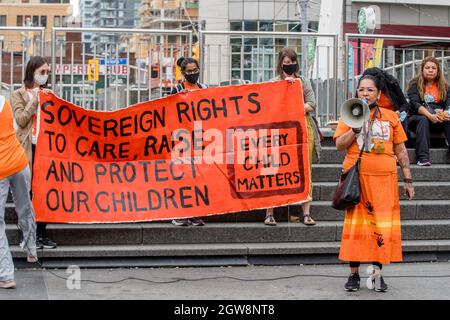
pixel 373 105
pixel 192 78
pixel 289 69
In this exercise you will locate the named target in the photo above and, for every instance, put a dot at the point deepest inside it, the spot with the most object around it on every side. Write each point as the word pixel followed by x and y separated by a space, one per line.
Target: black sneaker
pixel 353 282
pixel 379 284
pixel 45 243
pixel 197 222
pixel 181 222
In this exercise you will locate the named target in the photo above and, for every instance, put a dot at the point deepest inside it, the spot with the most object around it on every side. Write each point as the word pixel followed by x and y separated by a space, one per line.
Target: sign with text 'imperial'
pixel 201 153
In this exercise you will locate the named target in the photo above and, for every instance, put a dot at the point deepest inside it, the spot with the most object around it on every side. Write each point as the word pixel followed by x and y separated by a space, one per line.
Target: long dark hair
pixel 291 54
pixel 183 62
pixel 390 86
pixel 35 63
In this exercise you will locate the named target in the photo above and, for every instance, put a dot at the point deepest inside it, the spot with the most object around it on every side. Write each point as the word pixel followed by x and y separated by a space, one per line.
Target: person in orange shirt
pixel 429 95
pixel 372 231
pixel 190 70
pixel 14 174
pixel 25 105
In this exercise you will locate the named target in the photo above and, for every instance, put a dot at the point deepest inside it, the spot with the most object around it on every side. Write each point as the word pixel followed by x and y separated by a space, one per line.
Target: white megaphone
pixel 355 113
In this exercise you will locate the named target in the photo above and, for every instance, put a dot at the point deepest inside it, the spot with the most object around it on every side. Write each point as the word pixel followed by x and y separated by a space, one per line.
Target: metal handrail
pixel 116 31
pixel 334 36
pixel 382 36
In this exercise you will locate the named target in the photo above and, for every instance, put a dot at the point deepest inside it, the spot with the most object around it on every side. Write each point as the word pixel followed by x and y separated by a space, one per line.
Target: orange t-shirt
pixel 12 156
pixel 385 102
pixel 191 87
pixel 434 91
pixel 387 129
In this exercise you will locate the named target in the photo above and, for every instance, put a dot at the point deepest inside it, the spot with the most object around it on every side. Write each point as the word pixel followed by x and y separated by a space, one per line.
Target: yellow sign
pixel 93 69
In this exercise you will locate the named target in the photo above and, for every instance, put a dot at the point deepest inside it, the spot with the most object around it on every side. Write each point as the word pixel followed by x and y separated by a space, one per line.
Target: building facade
pixel 108 14
pixel 43 13
pixel 251 58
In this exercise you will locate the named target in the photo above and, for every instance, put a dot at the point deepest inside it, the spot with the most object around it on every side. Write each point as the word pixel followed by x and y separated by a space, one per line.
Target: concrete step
pixel 321 211
pixel 224 254
pixel 215 233
pixel 438 156
pixel 438 172
pixel 324 191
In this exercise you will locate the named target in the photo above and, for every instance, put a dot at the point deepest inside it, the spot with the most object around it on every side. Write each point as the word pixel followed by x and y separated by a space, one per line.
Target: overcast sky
pixel 76 8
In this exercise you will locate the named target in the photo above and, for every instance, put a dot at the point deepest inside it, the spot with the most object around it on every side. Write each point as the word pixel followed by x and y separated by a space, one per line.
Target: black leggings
pixel 356 264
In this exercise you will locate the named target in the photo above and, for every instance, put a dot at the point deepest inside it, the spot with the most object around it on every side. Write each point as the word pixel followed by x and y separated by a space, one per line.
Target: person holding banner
pixel 287 69
pixel 25 104
pixel 14 174
pixel 190 70
pixel 372 230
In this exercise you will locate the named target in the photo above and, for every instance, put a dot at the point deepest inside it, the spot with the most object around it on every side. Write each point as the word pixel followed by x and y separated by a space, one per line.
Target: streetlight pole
pixel 302 8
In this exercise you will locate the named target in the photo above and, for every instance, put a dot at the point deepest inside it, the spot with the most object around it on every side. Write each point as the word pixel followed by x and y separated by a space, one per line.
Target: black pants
pixel 41 231
pixel 422 127
pixel 356 264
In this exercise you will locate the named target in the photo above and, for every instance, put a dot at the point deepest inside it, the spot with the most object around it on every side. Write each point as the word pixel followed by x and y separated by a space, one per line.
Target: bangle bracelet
pixel 406 180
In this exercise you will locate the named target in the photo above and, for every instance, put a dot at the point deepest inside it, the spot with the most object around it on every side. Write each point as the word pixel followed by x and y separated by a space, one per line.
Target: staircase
pixel 242 238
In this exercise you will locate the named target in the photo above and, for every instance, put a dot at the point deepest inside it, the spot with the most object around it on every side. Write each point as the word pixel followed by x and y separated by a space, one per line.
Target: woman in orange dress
pixel 372 231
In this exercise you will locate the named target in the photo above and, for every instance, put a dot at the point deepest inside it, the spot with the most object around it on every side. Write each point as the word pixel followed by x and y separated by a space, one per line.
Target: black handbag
pixel 347 192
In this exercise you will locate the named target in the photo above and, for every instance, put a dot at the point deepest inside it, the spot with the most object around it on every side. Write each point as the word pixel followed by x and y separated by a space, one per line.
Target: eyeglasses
pixel 369 90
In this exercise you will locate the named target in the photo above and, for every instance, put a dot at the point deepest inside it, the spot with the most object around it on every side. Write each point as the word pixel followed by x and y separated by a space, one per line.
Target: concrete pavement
pixel 320 282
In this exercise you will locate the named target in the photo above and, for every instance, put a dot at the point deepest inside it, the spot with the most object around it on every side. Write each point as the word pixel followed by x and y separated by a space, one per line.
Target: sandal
pixel 270 221
pixel 308 221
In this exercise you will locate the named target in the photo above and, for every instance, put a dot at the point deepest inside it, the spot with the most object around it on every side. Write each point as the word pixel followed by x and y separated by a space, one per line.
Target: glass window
pixel 236 26
pixel 295 27
pixel 249 44
pixel 64 21
pixel 280 26
pixel 236 61
pixel 236 44
pixel 265 26
pixel 236 74
pixel 43 21
pixel 247 61
pixel 57 21
pixel 250 25
pixel 28 20
pixel 19 21
pixel 2 21
pixel 35 21
pixel 247 75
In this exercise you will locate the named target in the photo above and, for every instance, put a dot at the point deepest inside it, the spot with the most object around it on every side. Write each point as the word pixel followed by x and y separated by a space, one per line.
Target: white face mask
pixel 41 79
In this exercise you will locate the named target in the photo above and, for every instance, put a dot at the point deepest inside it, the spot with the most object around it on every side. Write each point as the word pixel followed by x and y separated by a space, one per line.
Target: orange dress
pixel 372 231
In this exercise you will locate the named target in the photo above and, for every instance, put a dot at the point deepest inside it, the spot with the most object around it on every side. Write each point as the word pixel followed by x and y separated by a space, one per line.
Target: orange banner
pixel 206 152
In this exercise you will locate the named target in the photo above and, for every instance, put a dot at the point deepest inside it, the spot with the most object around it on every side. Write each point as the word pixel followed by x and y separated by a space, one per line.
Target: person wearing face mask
pixel 287 69
pixel 25 104
pixel 372 229
pixel 191 71
pixel 429 95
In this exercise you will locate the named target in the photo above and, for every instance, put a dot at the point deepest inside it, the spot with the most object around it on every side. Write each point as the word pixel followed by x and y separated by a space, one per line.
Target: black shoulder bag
pixel 347 192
